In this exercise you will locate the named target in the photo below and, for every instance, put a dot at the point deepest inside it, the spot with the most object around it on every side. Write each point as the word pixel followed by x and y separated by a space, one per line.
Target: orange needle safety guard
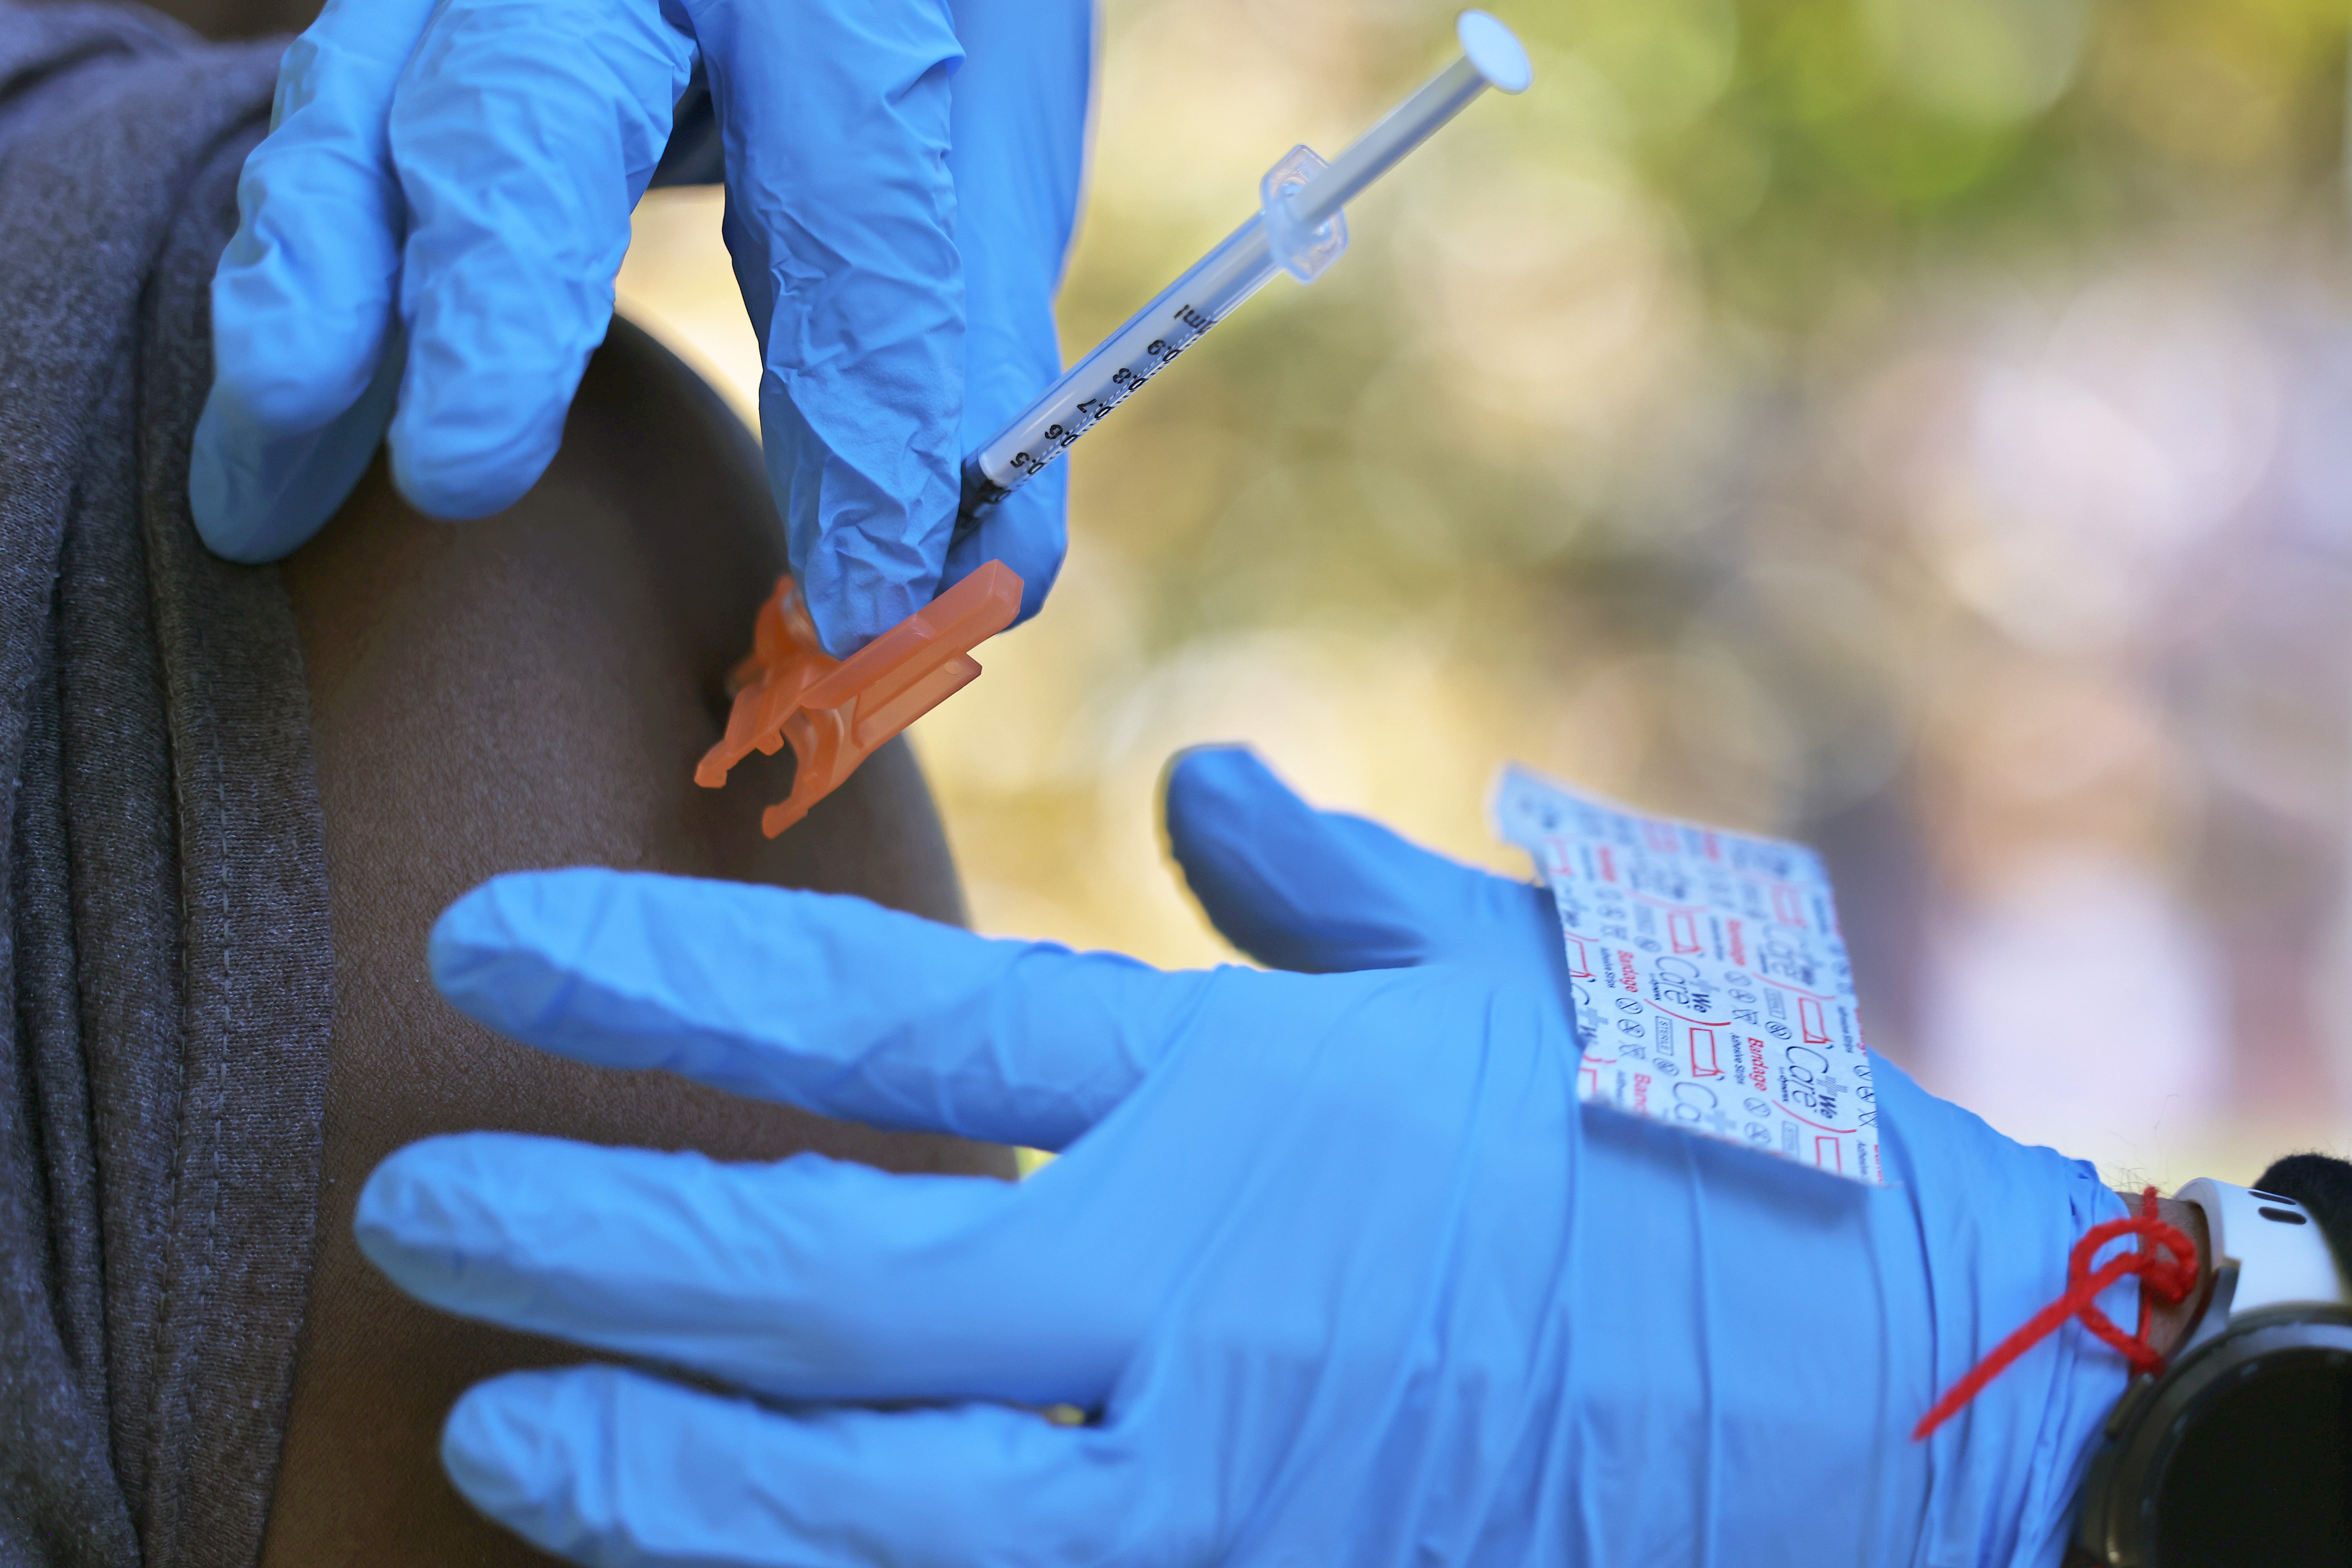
pixel 836 712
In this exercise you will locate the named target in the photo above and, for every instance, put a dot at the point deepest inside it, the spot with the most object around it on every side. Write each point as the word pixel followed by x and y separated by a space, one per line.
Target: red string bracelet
pixel 2170 1279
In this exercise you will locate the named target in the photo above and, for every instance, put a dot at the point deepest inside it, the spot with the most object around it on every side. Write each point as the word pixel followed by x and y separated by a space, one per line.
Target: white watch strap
pixel 2281 1255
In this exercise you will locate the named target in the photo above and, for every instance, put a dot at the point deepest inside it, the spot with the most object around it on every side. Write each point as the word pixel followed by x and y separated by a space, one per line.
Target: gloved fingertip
pixel 471 936
pixel 1037 573
pixel 258 490
pixel 512 1446
pixel 458 491
pixel 282 401
pixel 496 953
pixel 297 342
pixel 428 1210
pixel 218 474
pixel 1220 793
pixel 860 578
pixel 523 909
pixel 1036 577
pixel 474 921
pixel 1028 531
pixel 466 444
pixel 1291 886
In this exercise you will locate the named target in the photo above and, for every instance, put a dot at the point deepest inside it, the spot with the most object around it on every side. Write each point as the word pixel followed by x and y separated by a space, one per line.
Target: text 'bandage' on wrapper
pixel 1712 986
pixel 837 712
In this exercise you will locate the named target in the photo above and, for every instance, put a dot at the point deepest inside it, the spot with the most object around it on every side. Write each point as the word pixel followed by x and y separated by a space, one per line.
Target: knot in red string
pixel 2168 1278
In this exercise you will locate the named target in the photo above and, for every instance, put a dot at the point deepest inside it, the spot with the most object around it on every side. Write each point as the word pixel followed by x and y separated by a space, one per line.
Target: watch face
pixel 2260 1472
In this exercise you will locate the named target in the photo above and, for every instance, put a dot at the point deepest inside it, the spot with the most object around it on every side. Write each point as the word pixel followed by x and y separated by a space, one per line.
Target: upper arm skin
pixel 532 691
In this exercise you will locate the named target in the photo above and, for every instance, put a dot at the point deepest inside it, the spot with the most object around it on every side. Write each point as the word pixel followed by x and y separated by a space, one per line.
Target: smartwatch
pixel 2239 1454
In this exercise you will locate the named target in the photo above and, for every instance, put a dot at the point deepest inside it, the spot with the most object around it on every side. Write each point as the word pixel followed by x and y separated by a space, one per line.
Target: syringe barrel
pixel 1234 271
pixel 1378 150
pixel 1239 266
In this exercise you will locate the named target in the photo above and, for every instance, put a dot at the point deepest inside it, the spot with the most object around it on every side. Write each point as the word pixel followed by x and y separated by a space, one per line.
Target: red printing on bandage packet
pixel 2170 1279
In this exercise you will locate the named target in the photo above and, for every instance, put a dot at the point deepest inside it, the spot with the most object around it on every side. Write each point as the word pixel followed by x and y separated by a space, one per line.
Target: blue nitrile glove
pixel 1334 1262
pixel 430 232
pixel 1302 1253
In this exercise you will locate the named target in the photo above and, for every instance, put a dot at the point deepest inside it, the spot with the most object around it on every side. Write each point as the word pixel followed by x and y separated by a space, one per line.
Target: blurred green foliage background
pixel 1920 426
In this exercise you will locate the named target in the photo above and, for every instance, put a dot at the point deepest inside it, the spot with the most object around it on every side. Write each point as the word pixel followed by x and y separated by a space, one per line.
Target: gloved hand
pixel 429 236
pixel 1303 1256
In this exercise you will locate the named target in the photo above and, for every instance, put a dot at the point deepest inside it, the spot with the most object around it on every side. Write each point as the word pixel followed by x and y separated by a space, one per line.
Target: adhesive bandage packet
pixel 1712 986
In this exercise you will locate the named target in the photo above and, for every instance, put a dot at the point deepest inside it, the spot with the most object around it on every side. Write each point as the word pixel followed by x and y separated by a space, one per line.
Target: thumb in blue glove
pixel 1324 892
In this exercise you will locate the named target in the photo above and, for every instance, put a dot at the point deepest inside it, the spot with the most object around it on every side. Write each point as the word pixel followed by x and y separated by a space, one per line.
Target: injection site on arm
pixel 1300 228
pixel 834 712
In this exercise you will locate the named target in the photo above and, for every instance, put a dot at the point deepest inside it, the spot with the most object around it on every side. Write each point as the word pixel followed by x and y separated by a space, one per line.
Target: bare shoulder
pixel 533 689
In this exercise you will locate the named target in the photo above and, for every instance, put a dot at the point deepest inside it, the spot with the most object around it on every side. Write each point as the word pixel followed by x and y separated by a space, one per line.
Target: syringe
pixel 1299 228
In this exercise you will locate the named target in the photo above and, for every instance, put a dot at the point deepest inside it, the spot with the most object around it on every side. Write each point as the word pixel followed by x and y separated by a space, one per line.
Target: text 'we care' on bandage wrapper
pixel 1713 989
